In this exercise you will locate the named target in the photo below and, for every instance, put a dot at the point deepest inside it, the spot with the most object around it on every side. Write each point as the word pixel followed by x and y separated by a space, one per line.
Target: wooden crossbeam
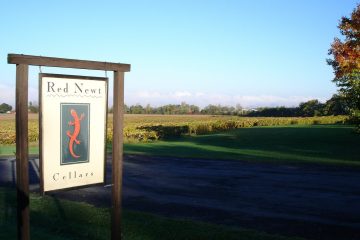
pixel 67 63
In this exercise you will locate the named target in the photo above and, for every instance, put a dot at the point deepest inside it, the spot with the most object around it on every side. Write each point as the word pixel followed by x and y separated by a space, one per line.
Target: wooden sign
pixel 22 156
pixel 72 131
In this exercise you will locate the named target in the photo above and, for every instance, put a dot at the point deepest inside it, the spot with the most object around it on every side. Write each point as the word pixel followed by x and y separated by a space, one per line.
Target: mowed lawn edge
pixel 300 144
pixel 52 218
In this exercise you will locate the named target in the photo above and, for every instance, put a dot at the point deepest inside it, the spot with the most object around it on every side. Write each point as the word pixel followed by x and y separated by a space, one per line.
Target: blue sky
pixel 253 53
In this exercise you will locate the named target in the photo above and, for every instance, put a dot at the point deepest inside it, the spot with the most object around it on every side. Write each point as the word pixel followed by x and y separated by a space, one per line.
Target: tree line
pixel 334 106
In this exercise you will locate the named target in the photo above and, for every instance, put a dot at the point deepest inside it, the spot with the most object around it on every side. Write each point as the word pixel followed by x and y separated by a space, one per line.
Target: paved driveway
pixel 310 201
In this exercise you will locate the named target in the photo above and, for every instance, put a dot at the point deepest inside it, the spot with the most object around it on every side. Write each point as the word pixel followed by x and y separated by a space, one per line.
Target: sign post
pixel 22 154
pixel 117 160
pixel 22 177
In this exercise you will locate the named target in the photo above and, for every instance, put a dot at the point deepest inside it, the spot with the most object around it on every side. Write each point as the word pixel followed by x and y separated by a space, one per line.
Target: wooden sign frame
pixel 22 155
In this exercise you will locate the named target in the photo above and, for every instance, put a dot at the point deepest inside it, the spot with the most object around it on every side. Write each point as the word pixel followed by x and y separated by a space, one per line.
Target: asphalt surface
pixel 314 202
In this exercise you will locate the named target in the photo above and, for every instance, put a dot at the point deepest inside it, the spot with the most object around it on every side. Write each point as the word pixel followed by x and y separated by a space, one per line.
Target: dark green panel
pixel 75 135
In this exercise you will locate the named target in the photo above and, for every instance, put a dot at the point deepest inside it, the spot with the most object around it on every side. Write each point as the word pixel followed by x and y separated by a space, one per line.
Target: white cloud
pixel 7 94
pixel 182 94
pixel 147 94
pixel 199 94
pixel 202 99
pixel 271 101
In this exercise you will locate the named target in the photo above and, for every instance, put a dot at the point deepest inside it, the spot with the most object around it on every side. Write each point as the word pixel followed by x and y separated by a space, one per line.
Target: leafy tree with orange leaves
pixel 346 60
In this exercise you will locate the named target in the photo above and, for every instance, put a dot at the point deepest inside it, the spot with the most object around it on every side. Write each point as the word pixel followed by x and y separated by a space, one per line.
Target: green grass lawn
pixel 9 150
pixel 319 144
pixel 51 218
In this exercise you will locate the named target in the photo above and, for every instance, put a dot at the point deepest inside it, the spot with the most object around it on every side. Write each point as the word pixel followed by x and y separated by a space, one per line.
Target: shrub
pixel 140 128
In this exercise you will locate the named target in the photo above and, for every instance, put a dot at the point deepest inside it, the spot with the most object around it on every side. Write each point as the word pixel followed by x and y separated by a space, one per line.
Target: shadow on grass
pixel 8 214
pixel 167 132
pixel 52 218
pixel 332 144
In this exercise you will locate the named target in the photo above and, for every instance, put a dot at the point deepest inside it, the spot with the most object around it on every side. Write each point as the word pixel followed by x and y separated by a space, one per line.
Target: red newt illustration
pixel 73 137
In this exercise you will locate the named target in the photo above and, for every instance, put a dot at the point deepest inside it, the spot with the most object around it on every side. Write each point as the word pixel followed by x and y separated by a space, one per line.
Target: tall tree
pixel 346 60
pixel 137 109
pixel 4 107
pixel 33 107
pixel 311 108
pixel 336 105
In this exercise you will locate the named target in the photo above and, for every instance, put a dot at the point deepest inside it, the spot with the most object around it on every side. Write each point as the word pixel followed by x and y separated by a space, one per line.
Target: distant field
pixel 304 144
pixel 140 128
pixel 302 140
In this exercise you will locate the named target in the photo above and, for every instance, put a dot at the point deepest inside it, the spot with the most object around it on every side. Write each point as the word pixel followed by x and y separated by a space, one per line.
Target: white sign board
pixel 72 131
